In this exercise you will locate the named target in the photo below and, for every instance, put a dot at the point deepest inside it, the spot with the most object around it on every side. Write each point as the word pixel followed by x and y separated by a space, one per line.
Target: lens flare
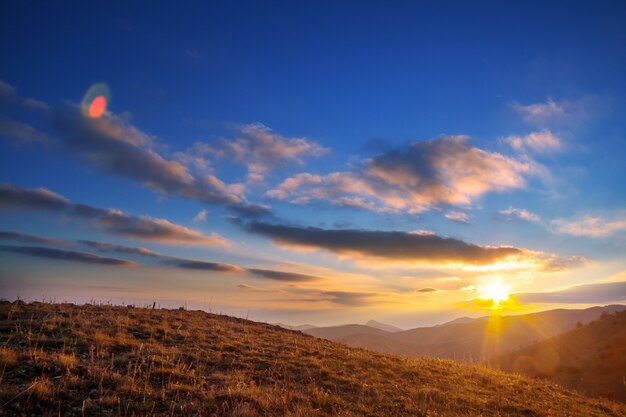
pixel 96 100
pixel 97 107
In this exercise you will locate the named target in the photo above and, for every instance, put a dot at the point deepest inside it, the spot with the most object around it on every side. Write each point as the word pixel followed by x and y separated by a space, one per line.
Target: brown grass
pixel 62 359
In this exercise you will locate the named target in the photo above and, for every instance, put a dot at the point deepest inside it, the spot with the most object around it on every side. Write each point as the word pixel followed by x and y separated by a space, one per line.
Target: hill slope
pixel 591 358
pixel 101 360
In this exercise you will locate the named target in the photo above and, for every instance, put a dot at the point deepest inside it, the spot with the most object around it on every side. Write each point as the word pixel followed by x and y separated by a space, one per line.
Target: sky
pixel 315 162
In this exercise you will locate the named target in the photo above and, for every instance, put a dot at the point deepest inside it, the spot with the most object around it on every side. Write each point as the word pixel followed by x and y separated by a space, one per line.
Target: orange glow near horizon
pixel 97 107
pixel 496 292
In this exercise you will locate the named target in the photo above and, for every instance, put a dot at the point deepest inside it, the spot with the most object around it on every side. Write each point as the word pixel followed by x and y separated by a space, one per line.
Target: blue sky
pixel 464 128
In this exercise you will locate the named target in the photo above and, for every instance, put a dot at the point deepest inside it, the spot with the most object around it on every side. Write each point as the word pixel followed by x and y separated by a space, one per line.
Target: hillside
pixel 466 340
pixel 62 359
pixel 590 358
pixel 337 332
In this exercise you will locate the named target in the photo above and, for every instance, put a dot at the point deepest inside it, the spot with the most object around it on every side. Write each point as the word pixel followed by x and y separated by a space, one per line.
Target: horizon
pixel 315 163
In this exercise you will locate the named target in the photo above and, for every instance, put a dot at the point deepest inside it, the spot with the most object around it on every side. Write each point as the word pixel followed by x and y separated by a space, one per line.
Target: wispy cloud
pixel 21 132
pixel 458 216
pixel 172 261
pixel 116 147
pixel 30 239
pixel 283 276
pixel 109 220
pixel 541 113
pixel 582 294
pixel 540 142
pixel 562 113
pixel 422 176
pixel 201 216
pixel 591 226
pixel 10 98
pixel 258 148
pixel 519 213
pixel 65 255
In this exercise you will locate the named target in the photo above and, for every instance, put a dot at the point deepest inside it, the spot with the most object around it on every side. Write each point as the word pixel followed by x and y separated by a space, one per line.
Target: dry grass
pixel 61 359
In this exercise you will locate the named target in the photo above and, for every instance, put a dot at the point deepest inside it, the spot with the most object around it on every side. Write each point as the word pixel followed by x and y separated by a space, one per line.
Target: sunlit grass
pixel 61 359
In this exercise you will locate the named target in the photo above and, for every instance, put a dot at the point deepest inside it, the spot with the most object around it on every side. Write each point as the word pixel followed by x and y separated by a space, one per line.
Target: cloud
pixel 429 289
pixel 21 132
pixel 113 248
pixel 458 217
pixel 347 298
pixel 10 98
pixel 251 288
pixel 258 148
pixel 422 176
pixel 519 213
pixel 566 113
pixel 172 261
pixel 283 276
pixel 541 113
pixel 109 220
pixel 31 239
pixel 201 216
pixel 200 265
pixel 114 146
pixel 12 197
pixel 582 294
pixel 591 226
pixel 540 142
pixel 398 246
pixel 65 255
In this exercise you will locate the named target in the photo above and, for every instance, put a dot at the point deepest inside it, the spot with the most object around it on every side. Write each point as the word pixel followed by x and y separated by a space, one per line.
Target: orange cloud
pixel 425 175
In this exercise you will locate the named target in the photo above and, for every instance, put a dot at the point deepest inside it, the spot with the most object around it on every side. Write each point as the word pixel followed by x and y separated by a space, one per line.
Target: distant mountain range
pixel 591 358
pixel 464 339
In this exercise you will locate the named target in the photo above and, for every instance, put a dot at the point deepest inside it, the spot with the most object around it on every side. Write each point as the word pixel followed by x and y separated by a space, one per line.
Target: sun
pixel 497 292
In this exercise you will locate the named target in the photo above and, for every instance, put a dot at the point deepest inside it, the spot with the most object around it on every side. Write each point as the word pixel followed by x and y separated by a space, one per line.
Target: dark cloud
pixel 116 147
pixel 582 294
pixel 113 248
pixel 11 99
pixel 348 298
pixel 65 255
pixel 12 197
pixel 415 178
pixel 163 259
pixel 282 276
pixel 26 238
pixel 427 290
pixel 382 244
pixel 112 221
pixel 200 265
pixel 21 132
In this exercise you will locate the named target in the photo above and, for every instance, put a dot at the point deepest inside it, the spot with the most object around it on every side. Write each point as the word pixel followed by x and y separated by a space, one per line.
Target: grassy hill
pixel 62 359
pixel 467 340
pixel 591 358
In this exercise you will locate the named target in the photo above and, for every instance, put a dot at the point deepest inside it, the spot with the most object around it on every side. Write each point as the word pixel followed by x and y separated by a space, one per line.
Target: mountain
pixel 462 320
pixel 472 340
pixel 383 326
pixel 63 359
pixel 591 358
pixel 301 327
pixel 337 332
